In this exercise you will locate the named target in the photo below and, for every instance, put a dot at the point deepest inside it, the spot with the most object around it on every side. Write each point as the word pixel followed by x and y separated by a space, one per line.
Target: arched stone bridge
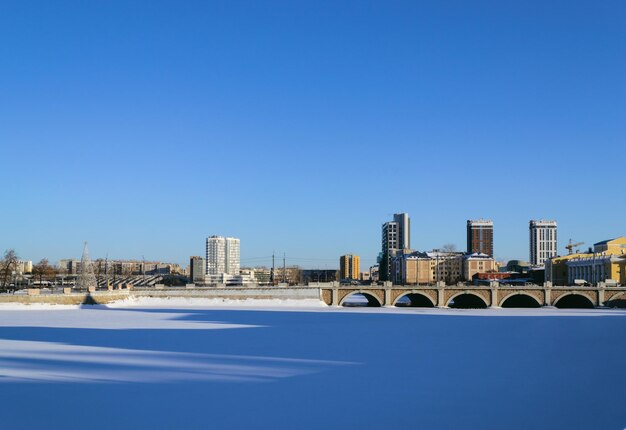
pixel 481 296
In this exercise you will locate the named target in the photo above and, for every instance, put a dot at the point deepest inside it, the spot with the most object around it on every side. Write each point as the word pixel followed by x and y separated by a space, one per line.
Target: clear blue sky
pixel 301 127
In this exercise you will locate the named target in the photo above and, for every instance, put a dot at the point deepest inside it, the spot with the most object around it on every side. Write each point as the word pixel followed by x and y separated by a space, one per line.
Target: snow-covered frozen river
pixel 179 366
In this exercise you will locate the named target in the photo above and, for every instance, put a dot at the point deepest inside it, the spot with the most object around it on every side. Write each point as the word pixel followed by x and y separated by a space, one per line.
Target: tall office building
pixel 222 256
pixel 480 236
pixel 196 269
pixel 349 267
pixel 542 241
pixel 396 236
pixel 404 230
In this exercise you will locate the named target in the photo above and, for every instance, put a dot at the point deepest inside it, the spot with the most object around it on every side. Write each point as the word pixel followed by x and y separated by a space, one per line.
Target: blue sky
pixel 300 127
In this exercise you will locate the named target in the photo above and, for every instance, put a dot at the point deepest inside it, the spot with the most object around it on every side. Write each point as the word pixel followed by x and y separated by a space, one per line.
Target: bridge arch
pixel 573 300
pixel 372 300
pixel 420 299
pixel 519 300
pixel 469 299
pixel 617 301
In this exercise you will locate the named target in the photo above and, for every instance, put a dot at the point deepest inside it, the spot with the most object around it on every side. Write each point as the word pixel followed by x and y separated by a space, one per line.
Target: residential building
pixel 413 269
pixel 24 266
pixel 542 241
pixel 222 255
pixel 427 267
pixel 396 236
pixel 478 263
pixel 480 237
pixel 223 261
pixel 349 267
pixel 69 266
pixel 102 266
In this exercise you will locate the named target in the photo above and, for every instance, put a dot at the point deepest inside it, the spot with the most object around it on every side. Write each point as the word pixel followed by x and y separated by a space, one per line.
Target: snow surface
pixel 200 364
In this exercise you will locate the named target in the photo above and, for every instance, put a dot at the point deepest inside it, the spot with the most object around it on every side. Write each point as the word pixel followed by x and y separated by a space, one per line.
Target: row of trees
pixel 42 271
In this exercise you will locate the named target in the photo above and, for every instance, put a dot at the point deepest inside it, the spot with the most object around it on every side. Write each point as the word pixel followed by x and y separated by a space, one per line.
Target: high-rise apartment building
pixel 480 237
pixel 222 256
pixel 542 241
pixel 349 267
pixel 396 236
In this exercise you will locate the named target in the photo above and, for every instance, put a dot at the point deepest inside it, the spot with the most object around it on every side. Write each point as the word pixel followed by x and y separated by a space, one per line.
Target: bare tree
pixel 449 247
pixel 7 266
pixel 43 270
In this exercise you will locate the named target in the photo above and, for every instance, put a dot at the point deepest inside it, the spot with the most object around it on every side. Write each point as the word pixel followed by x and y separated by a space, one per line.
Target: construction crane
pixel 570 247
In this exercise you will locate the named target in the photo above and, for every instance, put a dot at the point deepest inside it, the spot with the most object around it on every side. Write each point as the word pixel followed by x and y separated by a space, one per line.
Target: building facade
pixel 222 265
pixel 196 269
pixel 349 267
pixel 396 236
pixel 291 275
pixel 414 268
pixel 478 263
pixel 543 241
pixel 607 263
pixel 319 275
pixel 480 237
pixel 222 256
pixel 24 266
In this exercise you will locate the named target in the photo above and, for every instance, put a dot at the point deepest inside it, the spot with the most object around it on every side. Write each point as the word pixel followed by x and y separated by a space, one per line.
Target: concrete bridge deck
pixel 494 295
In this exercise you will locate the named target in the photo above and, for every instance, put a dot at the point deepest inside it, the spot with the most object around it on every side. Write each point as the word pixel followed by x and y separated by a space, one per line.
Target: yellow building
pixel 428 268
pixel 606 264
pixel 556 268
pixel 478 263
pixel 349 267
pixel 615 246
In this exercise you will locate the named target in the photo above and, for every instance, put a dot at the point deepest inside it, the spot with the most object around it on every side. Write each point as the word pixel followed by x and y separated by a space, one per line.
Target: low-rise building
pixel 289 275
pixel 607 263
pixel 427 267
pixel 319 275
pixel 477 263
pixel 557 269
pixel 262 275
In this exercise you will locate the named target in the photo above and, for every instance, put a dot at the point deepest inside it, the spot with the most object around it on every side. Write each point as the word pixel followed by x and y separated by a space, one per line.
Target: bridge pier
pixel 547 293
pixel 601 286
pixel 441 296
pixel 494 296
pixel 388 301
pixel 335 297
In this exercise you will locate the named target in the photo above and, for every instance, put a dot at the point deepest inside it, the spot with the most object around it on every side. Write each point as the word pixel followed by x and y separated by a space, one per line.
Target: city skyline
pixel 327 262
pixel 244 120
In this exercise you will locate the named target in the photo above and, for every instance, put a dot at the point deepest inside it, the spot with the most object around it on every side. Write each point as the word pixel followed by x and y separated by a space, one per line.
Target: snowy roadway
pixel 159 364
